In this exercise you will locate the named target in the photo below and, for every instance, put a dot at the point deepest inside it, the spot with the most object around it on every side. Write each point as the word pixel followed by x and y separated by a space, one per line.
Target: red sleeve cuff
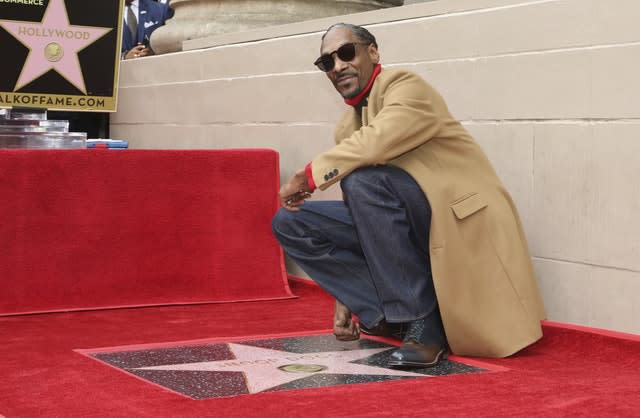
pixel 309 173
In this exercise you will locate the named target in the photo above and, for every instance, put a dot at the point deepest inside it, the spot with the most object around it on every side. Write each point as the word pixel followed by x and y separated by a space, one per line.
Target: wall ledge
pixel 406 12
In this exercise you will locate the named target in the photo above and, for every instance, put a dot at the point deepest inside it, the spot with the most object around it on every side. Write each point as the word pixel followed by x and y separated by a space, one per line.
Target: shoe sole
pixel 392 336
pixel 397 336
pixel 442 355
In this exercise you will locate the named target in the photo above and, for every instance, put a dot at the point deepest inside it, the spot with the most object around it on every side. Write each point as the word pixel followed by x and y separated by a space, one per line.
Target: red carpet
pixel 570 372
pixel 84 229
pixel 101 228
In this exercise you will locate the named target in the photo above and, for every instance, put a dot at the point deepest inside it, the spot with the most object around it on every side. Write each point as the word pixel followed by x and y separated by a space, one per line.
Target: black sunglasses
pixel 346 53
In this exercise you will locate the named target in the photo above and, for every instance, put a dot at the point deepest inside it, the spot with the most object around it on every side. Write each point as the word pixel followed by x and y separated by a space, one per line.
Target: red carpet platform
pixel 103 229
pixel 89 229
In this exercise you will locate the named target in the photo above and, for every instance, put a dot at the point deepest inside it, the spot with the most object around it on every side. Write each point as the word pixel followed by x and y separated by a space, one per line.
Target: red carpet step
pixel 86 229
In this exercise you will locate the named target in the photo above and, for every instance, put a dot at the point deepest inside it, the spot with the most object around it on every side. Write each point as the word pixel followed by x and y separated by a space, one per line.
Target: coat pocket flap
pixel 468 206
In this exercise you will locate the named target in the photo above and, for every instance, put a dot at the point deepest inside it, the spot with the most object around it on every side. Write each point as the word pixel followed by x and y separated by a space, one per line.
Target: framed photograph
pixel 60 54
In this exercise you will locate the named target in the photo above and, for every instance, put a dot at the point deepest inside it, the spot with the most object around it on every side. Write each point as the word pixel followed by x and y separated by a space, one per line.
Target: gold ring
pixel 136 55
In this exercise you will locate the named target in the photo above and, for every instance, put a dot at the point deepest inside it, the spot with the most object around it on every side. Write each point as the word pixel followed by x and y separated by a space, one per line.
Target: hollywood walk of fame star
pixel 265 368
pixel 53 44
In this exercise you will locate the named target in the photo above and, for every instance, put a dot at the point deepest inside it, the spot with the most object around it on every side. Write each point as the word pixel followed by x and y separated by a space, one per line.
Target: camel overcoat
pixel 482 271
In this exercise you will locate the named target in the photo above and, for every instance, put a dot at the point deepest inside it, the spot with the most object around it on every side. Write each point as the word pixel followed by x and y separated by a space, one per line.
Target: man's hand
pixel 343 326
pixel 138 51
pixel 295 191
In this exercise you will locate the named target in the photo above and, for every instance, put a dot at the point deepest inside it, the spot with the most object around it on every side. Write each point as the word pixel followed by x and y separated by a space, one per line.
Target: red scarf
pixel 356 100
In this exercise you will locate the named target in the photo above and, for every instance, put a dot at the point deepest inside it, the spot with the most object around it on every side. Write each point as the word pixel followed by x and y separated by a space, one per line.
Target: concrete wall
pixel 549 88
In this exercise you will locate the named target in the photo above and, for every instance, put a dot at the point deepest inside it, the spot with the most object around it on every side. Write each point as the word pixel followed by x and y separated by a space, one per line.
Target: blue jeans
pixel 371 252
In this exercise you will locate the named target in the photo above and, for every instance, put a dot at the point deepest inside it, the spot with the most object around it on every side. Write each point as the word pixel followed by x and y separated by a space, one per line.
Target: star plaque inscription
pixel 60 54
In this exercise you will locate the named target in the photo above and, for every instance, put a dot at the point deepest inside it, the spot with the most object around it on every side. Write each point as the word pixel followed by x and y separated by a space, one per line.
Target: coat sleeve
pixel 406 116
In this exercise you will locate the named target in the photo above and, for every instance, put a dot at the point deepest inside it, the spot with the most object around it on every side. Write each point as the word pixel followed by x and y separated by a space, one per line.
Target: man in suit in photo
pixel 141 18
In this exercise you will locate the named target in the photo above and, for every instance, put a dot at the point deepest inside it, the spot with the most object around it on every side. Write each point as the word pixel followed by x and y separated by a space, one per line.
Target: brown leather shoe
pixel 413 354
pixel 385 329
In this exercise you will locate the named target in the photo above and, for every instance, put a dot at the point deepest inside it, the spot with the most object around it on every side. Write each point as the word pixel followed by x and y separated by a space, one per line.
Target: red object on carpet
pixel 570 372
pixel 84 229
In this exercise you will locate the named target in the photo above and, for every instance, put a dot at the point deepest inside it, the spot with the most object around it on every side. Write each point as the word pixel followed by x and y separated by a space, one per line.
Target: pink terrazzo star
pixel 53 44
pixel 262 367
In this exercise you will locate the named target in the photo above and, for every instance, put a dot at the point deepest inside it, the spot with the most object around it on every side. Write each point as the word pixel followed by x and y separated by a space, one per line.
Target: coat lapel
pixel 349 123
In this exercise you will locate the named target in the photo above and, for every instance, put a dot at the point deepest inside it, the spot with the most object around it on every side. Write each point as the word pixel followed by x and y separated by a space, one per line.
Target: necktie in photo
pixel 132 22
